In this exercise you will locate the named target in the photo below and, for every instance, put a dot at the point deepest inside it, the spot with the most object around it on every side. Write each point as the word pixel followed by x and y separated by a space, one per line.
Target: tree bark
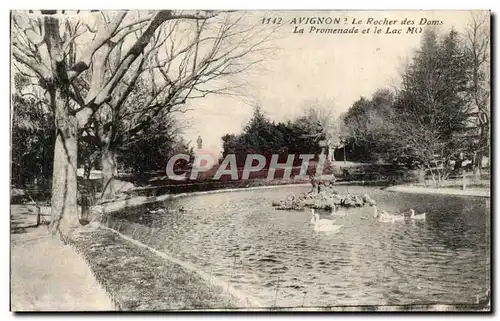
pixel 64 207
pixel 109 171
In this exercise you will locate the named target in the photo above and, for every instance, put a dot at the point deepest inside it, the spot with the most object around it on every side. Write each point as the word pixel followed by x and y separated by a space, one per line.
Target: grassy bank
pixel 139 280
pixel 415 189
pixel 452 186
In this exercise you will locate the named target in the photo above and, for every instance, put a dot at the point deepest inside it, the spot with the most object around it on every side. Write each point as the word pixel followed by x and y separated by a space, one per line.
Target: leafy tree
pixel 321 118
pixel 369 127
pixel 261 136
pixel 432 107
pixel 47 47
pixel 477 49
pixel 33 136
pixel 209 58
pixel 151 150
pixel 88 63
pixel 305 135
pixel 89 154
pixel 229 144
pixel 426 123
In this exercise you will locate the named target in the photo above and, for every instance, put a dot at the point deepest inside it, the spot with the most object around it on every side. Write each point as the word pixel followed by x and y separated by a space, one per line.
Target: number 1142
pixel 274 21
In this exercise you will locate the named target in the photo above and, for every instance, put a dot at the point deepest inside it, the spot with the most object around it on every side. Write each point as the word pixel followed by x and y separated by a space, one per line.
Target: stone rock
pixel 326 199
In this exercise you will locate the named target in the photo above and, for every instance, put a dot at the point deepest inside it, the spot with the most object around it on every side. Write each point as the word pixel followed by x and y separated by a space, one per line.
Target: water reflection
pixel 276 257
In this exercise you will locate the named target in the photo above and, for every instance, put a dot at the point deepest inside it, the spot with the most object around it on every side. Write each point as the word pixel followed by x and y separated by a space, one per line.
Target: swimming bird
pixel 316 220
pixel 323 225
pixel 277 203
pixel 386 217
pixel 414 216
pixel 337 212
pixel 369 200
pixel 158 211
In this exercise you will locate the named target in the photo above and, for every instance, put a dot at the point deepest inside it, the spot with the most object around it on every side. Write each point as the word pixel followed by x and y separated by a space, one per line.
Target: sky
pixel 334 69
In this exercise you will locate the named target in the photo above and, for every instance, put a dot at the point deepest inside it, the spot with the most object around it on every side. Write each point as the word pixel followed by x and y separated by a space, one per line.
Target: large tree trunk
pixel 109 171
pixel 64 211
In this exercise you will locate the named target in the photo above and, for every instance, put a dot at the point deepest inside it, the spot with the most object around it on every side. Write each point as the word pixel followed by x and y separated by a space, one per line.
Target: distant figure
pixel 200 142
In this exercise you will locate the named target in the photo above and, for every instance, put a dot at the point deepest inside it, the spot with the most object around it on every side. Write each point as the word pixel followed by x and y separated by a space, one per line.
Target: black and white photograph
pixel 261 160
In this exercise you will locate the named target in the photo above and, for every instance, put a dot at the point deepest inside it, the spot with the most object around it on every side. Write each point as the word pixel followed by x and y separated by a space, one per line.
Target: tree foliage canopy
pixel 427 121
pixel 262 136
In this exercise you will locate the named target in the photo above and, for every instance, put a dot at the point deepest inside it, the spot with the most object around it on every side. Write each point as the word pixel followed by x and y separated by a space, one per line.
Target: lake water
pixel 276 257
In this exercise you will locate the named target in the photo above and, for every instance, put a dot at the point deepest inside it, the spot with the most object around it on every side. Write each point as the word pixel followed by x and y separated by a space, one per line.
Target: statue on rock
pixel 199 141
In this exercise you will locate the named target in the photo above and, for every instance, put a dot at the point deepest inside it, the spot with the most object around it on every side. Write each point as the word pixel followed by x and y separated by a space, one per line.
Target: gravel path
pixel 47 275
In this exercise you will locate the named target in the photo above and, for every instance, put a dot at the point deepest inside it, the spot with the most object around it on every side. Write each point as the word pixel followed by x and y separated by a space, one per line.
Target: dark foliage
pixel 261 136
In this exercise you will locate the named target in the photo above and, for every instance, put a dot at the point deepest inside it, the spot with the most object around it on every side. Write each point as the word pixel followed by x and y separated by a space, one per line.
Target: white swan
pixel 323 225
pixel 386 217
pixel 414 216
pixel 336 212
pixel 369 200
pixel 315 219
pixel 163 211
pixel 158 211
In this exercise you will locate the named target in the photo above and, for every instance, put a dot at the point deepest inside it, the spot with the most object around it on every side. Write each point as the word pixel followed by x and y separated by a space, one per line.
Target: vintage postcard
pixel 170 160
